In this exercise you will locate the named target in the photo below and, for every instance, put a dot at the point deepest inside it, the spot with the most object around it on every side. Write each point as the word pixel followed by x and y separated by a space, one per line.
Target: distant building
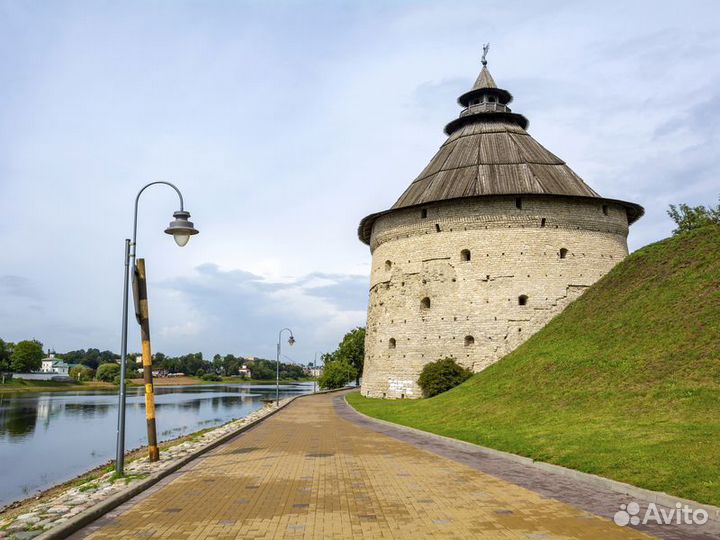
pixel 53 365
pixel 314 371
pixel 245 372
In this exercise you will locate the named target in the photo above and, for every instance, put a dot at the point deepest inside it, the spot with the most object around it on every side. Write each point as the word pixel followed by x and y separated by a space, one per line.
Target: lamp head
pixel 291 340
pixel 181 228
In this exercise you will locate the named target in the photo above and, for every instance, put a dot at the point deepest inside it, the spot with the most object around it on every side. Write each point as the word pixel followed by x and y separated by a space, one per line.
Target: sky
pixel 284 124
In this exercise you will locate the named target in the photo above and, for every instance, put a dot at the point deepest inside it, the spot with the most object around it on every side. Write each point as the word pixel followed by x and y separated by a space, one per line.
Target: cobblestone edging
pixel 79 505
pixel 658 497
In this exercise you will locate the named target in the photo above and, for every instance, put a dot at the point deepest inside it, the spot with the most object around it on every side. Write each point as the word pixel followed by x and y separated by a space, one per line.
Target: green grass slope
pixel 625 383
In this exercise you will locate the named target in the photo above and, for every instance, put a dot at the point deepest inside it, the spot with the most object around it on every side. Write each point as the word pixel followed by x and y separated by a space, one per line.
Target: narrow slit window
pixel 522 300
pixel 605 209
pixel 388 265
pixel 563 253
pixel 465 255
pixel 392 343
pixel 518 203
pixel 542 222
pixel 437 227
pixel 469 341
pixel 425 303
pixel 423 213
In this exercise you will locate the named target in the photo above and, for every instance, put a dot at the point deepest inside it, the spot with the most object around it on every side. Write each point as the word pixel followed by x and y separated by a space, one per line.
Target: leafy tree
pixel 337 374
pixel 81 373
pixel 352 350
pixel 442 375
pixel 107 372
pixel 27 356
pixel 688 217
pixel 6 349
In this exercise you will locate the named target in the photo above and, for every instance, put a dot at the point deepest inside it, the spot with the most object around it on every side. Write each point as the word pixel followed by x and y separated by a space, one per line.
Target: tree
pixel 81 373
pixel 337 374
pixel 688 217
pixel 352 350
pixel 442 375
pixel 6 349
pixel 107 372
pixel 27 356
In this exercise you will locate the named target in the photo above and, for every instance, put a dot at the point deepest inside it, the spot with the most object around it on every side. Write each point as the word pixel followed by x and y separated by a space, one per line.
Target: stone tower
pixel 494 238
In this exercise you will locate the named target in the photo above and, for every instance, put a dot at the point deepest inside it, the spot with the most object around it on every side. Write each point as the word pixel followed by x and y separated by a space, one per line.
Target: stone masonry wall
pixel 475 313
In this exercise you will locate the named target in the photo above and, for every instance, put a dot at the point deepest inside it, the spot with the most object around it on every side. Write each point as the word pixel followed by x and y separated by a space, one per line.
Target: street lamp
pixel 291 342
pixel 181 230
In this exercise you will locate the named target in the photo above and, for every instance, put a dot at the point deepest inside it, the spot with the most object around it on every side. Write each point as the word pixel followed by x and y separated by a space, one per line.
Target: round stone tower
pixel 494 238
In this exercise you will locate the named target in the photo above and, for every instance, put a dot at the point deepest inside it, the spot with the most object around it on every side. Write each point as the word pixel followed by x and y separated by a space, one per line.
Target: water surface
pixel 51 437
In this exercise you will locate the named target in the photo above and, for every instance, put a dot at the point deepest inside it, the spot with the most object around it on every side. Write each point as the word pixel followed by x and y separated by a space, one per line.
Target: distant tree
pixel 27 356
pixel 107 372
pixel 352 350
pixel 6 349
pixel 688 217
pixel 442 375
pixel 81 373
pixel 337 374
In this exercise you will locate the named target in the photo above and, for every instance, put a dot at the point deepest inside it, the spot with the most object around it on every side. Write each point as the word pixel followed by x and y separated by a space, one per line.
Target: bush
pixel 81 373
pixel 211 377
pixel 107 372
pixel 200 373
pixel 336 374
pixel 442 375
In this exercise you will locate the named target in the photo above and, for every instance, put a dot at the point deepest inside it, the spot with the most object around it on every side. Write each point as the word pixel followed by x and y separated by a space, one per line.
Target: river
pixel 51 437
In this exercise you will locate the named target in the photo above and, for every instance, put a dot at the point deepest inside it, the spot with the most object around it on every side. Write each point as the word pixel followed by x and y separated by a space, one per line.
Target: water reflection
pixel 51 437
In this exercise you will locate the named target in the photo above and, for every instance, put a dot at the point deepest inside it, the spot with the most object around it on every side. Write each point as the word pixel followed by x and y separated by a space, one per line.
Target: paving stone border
pixel 658 497
pixel 80 505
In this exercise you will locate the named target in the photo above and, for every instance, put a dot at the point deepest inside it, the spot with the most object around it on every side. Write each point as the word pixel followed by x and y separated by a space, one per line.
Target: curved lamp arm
pixel 137 200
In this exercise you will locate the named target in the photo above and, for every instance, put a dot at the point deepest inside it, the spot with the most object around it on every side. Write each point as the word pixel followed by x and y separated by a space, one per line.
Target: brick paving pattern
pixel 310 473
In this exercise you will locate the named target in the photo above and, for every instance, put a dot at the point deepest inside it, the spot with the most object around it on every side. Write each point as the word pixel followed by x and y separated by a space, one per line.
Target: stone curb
pixel 76 523
pixel 658 497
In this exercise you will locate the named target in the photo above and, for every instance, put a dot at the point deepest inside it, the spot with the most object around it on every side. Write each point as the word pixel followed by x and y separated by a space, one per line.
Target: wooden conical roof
pixel 489 153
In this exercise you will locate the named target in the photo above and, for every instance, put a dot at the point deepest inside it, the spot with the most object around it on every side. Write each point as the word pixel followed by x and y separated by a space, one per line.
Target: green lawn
pixel 16 386
pixel 625 383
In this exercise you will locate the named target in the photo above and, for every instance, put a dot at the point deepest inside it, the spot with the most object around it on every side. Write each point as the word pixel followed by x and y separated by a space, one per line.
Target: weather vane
pixel 486 48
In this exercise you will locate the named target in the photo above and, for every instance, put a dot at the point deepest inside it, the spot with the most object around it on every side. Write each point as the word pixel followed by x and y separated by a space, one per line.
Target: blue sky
pixel 284 123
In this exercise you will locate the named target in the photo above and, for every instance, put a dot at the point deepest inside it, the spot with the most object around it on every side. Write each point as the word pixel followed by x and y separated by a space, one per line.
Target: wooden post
pixel 144 316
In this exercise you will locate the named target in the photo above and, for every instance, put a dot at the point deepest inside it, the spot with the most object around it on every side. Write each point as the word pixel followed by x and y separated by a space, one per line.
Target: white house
pixel 52 365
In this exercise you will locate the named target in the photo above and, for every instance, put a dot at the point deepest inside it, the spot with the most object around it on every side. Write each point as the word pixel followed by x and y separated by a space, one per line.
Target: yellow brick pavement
pixel 306 473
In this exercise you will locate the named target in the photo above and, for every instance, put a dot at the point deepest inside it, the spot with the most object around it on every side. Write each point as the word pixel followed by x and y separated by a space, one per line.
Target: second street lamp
pixel 181 230
pixel 291 342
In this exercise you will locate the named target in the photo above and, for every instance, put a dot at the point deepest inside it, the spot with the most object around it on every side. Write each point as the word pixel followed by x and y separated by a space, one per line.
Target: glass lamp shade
pixel 291 341
pixel 181 239
pixel 180 228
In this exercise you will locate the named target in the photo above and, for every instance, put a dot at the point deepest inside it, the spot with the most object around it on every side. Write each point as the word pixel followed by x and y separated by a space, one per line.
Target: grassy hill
pixel 625 383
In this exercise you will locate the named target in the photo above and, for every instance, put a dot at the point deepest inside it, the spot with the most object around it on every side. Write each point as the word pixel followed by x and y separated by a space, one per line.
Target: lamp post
pixel 181 230
pixel 291 342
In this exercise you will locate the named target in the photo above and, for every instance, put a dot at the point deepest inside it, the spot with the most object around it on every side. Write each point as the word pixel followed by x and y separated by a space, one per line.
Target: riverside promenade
pixel 317 469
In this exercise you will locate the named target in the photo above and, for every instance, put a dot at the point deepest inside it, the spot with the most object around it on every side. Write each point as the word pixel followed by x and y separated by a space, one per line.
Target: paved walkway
pixel 319 470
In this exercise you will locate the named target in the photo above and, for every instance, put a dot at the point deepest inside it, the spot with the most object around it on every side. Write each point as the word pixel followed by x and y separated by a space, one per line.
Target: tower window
pixel 425 303
pixel 423 213
pixel 491 99
pixel 522 300
pixel 437 227
pixel 469 341
pixel 518 203
pixel 542 222
pixel 391 343
pixel 388 265
pixel 605 209
pixel 563 253
pixel 465 255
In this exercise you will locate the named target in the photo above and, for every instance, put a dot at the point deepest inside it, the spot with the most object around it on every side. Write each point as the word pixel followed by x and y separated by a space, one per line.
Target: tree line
pixel 26 356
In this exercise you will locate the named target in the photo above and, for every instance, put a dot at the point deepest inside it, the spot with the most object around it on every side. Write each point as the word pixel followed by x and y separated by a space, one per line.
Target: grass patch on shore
pixel 625 383
pixel 20 386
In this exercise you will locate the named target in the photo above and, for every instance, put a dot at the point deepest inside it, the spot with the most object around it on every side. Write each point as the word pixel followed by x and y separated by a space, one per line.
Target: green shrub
pixel 107 372
pixel 200 373
pixel 81 373
pixel 442 375
pixel 211 377
pixel 336 374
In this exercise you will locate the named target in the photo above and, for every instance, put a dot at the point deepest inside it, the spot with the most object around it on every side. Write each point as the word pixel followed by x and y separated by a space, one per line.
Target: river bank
pixel 22 386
